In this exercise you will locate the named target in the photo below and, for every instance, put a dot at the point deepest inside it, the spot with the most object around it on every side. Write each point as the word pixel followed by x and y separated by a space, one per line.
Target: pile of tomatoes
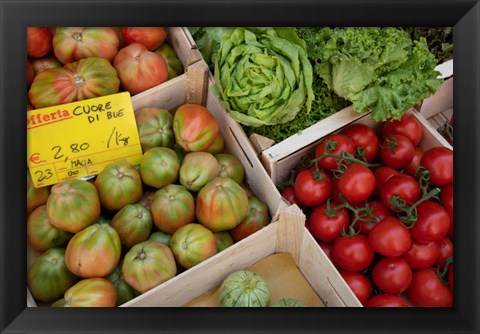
pixel 382 210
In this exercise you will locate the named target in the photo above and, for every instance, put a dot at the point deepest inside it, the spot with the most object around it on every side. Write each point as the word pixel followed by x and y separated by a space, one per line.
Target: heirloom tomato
pixel 155 128
pixel 257 218
pixel 195 128
pixel 118 184
pixel 133 224
pixel 197 169
pixel 71 44
pixel 150 37
pixel 172 207
pixel 94 251
pixel 139 69
pixel 39 41
pixel 73 205
pixel 230 166
pixel 148 264
pixel 91 292
pixel 159 167
pixel 192 244
pixel 221 204
pixel 175 67
pixel 42 235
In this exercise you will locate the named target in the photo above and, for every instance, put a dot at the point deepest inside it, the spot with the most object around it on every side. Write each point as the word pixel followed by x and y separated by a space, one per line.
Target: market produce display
pixel 131 229
pixel 76 63
pixel 378 204
pixel 385 222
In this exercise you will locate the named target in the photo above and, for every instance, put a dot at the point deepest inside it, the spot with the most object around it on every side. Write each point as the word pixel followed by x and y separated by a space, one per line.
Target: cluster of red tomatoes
pixel 382 210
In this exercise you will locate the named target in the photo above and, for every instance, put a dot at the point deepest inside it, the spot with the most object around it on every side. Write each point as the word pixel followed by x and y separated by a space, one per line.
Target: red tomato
pixel 379 211
pixel 407 126
pixel 151 37
pixel 327 225
pixel 312 189
pixel 352 253
pixel 386 300
pixel 357 183
pixel 432 224
pixel 401 186
pixel 392 275
pixel 39 41
pixel 360 285
pixel 382 174
pixel 335 143
pixel 390 238
pixel 426 290
pixel 289 194
pixel 411 168
pixel 439 161
pixel 445 250
pixel 396 151
pixel 364 137
pixel 422 255
pixel 446 198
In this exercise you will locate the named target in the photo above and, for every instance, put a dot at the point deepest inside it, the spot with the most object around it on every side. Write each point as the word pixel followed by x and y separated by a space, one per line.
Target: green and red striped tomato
pixel 218 145
pixel 159 167
pixel 221 204
pixel 119 184
pixel 223 239
pixel 197 169
pixel 230 166
pixel 150 37
pixel 192 244
pixel 195 128
pixel 94 251
pixel 88 78
pixel 42 64
pixel 42 235
pixel 91 292
pixel 49 278
pixel 133 224
pixel 74 43
pixel 172 207
pixel 154 128
pixel 124 291
pixel 148 264
pixel 257 218
pixel 140 69
pixel 73 205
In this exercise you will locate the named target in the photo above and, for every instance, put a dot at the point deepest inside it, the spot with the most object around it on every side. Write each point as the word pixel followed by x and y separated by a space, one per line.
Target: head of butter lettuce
pixel 262 75
pixel 381 70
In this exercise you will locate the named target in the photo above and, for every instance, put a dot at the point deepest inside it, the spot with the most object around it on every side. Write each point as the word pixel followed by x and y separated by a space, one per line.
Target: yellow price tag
pixel 79 139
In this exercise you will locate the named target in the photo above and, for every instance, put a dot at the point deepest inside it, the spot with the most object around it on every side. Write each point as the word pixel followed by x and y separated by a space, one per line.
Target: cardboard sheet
pixel 283 278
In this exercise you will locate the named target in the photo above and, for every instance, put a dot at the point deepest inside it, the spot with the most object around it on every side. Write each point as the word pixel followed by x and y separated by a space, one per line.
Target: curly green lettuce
pixel 263 75
pixel 381 70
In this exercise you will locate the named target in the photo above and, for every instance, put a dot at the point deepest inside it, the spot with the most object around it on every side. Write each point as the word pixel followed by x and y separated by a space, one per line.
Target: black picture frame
pixel 463 15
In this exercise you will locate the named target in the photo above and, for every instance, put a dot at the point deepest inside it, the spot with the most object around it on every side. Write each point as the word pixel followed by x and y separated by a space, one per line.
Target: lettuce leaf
pixel 377 69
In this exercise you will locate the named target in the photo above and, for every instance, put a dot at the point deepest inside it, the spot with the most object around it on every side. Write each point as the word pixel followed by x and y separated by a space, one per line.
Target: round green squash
pixel 288 302
pixel 244 288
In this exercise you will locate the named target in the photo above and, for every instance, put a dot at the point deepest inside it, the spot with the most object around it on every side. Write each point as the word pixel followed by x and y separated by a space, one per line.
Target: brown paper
pixel 284 280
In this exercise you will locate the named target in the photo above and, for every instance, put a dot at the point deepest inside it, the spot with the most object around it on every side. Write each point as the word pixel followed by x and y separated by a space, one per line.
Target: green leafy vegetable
pixel 262 75
pixel 439 40
pixel 377 69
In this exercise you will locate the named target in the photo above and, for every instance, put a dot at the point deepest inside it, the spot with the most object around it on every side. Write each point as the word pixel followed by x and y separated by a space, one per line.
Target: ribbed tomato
pixel 150 37
pixel 230 166
pixel 148 264
pixel 172 207
pixel 73 205
pixel 159 167
pixel 94 251
pixel 88 78
pixel 192 244
pixel 197 169
pixel 175 67
pixel 154 128
pixel 74 43
pixel 258 217
pixel 35 196
pixel 39 41
pixel 195 128
pixel 133 224
pixel 91 292
pixel 118 184
pixel 140 69
pixel 221 204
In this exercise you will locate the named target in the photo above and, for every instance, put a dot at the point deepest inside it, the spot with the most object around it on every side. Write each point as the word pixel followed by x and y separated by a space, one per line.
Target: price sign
pixel 79 139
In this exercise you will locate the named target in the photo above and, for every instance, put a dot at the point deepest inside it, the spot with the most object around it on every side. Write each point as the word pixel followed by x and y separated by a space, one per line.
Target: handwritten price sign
pixel 79 139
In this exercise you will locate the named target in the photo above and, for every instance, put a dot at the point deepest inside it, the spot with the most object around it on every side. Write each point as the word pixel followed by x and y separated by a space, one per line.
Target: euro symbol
pixel 35 158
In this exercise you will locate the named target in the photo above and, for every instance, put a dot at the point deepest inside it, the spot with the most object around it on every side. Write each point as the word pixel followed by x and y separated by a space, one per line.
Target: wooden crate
pixel 430 138
pixel 180 39
pixel 286 235
pixel 438 108
pixel 193 87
